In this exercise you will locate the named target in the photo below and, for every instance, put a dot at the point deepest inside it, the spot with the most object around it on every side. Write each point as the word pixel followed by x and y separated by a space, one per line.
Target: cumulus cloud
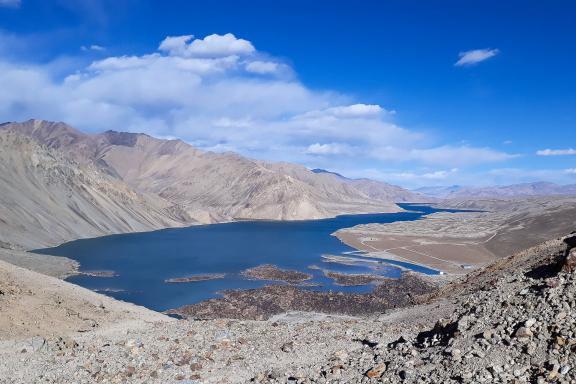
pixel 211 46
pixel 220 93
pixel 10 3
pixel 556 152
pixel 475 56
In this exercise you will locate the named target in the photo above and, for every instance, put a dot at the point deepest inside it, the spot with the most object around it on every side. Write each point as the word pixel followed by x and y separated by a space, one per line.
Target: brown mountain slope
pixel 210 187
pixel 377 190
pixel 47 198
pixel 383 191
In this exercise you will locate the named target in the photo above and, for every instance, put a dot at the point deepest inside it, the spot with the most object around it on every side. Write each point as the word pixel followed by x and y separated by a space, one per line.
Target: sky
pixel 415 93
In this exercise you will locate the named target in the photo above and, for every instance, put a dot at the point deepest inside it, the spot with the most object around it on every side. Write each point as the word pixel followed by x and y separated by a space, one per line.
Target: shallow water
pixel 143 261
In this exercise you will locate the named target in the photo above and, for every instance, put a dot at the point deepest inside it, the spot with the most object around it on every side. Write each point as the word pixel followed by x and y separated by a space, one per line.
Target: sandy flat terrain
pixel 454 243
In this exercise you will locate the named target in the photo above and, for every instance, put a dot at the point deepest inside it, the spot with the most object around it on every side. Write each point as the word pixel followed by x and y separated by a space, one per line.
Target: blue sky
pixel 412 92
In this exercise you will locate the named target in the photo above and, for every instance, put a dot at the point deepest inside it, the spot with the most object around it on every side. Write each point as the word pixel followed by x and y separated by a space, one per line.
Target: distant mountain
pixel 379 190
pixel 515 190
pixel 438 191
pixel 120 182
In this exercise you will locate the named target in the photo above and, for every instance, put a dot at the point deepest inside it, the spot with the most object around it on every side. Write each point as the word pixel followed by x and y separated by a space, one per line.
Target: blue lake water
pixel 143 261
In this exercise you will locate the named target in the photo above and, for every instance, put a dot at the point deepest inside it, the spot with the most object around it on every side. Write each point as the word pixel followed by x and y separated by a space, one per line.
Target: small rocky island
pixel 99 273
pixel 272 272
pixel 196 278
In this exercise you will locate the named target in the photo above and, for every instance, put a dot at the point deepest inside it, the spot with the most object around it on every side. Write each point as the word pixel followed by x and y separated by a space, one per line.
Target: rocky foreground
pixel 513 322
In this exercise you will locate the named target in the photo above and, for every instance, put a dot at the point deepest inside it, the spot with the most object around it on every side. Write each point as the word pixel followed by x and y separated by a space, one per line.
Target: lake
pixel 141 262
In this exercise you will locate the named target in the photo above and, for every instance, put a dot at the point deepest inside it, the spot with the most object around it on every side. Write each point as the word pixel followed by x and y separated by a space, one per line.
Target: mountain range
pixel 84 185
pixel 379 190
pixel 514 190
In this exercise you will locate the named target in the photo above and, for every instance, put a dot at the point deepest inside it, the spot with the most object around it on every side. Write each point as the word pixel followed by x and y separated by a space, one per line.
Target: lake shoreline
pixel 297 244
pixel 68 267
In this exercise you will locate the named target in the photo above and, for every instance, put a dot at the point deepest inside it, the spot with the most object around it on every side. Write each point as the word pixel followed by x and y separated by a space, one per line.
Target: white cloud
pixel 329 149
pixel 475 56
pixel 556 152
pixel 93 47
pixel 10 3
pixel 433 175
pixel 207 92
pixel 211 46
pixel 346 111
pixel 440 175
pixel 570 171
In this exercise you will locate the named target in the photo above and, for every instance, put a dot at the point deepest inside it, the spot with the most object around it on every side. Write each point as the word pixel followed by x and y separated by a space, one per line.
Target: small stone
pixel 341 355
pixel 496 369
pixel 530 322
pixel 377 371
pixel 561 315
pixel 37 343
pixel 287 347
pixel 487 334
pixel 130 371
pixel 523 333
pixel 564 370
pixel 405 375
pixel 456 353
